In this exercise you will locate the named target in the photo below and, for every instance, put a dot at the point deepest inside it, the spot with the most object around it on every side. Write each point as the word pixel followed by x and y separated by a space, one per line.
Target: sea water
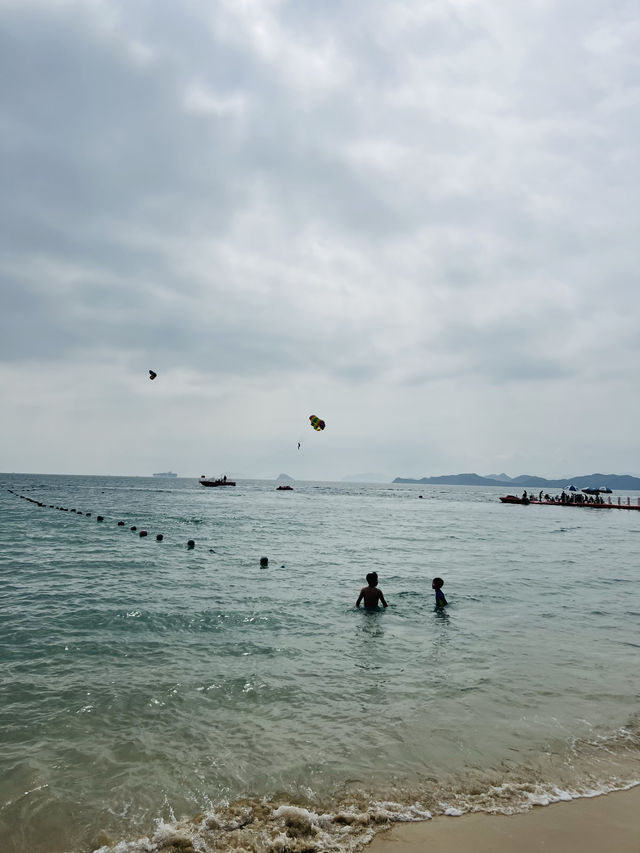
pixel 159 698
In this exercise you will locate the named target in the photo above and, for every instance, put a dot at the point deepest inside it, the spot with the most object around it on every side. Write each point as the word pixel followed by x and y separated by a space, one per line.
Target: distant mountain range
pixel 624 482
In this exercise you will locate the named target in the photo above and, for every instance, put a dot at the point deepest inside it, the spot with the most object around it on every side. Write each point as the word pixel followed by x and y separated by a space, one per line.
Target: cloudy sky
pixel 417 219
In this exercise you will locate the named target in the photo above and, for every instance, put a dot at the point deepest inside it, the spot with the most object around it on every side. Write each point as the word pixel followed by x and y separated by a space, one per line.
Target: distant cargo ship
pixel 165 474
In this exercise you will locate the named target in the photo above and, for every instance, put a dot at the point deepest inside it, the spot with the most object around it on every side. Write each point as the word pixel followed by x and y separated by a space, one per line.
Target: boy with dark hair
pixel 371 594
pixel 437 584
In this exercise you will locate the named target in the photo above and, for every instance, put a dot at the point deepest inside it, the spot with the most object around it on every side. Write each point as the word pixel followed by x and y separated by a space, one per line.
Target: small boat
pixel 284 489
pixel 218 481
pixel 512 499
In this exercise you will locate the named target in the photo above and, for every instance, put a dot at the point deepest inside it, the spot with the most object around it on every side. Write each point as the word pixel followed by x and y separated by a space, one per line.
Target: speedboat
pixel 217 481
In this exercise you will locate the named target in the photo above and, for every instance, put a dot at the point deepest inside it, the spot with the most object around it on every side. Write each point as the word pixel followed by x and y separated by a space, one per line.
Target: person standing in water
pixel 371 595
pixel 437 584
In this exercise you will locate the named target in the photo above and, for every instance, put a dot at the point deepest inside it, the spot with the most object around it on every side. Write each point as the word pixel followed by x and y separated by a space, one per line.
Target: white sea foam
pixel 285 828
pixel 289 828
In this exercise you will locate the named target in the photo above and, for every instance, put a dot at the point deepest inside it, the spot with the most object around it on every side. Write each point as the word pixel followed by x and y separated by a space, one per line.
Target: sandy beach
pixel 590 825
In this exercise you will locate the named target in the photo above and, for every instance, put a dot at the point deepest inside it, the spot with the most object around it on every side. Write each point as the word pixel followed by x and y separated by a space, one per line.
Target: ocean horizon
pixel 156 697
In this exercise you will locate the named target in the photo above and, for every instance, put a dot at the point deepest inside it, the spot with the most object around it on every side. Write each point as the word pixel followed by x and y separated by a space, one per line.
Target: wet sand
pixel 590 825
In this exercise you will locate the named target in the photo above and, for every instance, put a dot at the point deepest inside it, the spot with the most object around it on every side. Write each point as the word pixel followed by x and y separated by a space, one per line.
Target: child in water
pixel 371 594
pixel 437 584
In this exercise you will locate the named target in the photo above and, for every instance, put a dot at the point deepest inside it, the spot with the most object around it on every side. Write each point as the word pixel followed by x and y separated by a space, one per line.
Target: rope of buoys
pixel 142 534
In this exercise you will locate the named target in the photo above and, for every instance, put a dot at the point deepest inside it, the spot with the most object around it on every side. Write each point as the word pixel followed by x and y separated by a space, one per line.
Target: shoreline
pixel 585 825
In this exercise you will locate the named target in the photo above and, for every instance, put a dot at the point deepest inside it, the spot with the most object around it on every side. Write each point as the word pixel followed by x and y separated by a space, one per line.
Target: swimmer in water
pixel 437 584
pixel 371 594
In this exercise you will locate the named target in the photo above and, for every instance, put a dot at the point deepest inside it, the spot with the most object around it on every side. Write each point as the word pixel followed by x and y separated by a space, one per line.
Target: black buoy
pixel 87 514
pixel 99 518
pixel 191 545
pixel 134 528
pixel 159 537
pixel 142 533
pixel 121 524
pixel 264 562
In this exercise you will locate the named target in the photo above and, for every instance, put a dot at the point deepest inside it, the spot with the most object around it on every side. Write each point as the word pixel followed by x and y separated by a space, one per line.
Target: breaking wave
pixel 588 768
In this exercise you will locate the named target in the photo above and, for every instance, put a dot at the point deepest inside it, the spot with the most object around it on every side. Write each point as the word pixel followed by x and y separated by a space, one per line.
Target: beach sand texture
pixel 591 825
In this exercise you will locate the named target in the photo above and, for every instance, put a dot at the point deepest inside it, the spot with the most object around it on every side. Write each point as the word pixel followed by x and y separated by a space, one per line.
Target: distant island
pixel 583 481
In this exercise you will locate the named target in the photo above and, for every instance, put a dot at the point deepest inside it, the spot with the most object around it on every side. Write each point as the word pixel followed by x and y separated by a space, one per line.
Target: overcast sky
pixel 418 220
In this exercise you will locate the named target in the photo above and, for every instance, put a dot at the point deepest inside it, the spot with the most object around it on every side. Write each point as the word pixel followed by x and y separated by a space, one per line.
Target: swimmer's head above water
pixel 371 595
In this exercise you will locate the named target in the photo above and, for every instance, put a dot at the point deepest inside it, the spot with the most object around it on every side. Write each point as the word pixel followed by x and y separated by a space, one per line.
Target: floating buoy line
pixel 99 518
pixel 142 534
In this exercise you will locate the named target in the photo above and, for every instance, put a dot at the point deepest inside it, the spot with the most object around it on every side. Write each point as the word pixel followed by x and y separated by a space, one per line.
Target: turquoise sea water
pixel 154 697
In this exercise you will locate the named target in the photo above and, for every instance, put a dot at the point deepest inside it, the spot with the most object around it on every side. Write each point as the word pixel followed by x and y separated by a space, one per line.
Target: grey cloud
pixel 364 196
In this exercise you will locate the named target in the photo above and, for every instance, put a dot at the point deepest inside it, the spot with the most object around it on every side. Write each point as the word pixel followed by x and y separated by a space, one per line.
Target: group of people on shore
pixel 564 498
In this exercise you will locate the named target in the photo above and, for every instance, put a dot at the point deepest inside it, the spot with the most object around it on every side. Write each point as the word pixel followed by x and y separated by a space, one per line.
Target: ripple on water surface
pixel 145 682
